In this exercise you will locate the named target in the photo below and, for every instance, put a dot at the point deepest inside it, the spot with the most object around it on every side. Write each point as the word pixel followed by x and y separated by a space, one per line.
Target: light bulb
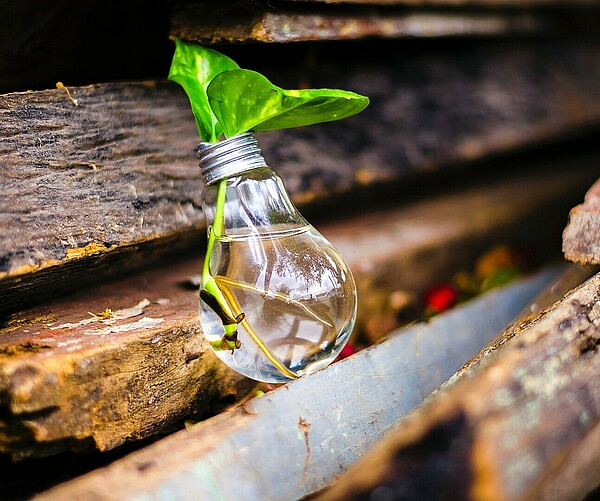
pixel 277 300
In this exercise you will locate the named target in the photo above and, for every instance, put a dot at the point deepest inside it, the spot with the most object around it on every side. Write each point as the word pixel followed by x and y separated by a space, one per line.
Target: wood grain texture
pixel 104 187
pixel 308 21
pixel 115 365
pixel 517 428
pixel 581 238
pixel 106 177
pixel 121 361
pixel 292 441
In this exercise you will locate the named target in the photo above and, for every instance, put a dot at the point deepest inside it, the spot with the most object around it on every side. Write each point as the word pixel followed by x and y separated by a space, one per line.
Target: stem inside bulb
pixel 214 232
pixel 274 295
pixel 227 307
pixel 212 293
pixel 258 340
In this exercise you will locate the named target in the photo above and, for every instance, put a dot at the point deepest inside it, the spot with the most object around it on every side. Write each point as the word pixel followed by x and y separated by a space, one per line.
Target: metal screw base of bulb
pixel 229 158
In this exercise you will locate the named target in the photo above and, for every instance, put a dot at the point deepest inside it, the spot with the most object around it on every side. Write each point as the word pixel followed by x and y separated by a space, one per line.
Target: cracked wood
pixel 581 238
pixel 523 424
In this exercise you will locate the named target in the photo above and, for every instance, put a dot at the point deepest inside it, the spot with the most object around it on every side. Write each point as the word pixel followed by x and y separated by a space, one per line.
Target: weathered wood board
pixel 308 21
pixel 74 375
pixel 95 189
pixel 458 3
pixel 112 176
pixel 116 364
pixel 521 424
pixel 581 238
pixel 298 438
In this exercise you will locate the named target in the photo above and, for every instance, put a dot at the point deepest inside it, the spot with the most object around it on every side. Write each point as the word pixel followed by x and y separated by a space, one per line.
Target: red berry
pixel 347 350
pixel 441 297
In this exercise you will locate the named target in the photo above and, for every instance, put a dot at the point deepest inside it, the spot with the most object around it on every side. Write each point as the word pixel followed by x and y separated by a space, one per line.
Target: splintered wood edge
pixel 55 399
pixel 535 400
pixel 581 238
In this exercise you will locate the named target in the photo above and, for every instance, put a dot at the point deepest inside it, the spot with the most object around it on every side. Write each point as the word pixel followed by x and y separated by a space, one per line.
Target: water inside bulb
pixel 277 300
pixel 298 297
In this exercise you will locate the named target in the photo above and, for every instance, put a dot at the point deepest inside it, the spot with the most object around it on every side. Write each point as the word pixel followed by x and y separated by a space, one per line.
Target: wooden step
pixel 294 440
pixel 110 185
pixel 121 361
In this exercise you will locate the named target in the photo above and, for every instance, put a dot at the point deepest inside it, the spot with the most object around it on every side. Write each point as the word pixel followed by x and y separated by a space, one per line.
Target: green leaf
pixel 193 68
pixel 227 100
pixel 245 100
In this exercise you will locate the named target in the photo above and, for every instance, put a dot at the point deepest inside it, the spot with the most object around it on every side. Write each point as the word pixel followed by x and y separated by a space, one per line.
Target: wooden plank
pixel 581 238
pixel 116 364
pixel 296 439
pixel 523 425
pixel 526 4
pixel 111 184
pixel 112 176
pixel 309 21
pixel 71 379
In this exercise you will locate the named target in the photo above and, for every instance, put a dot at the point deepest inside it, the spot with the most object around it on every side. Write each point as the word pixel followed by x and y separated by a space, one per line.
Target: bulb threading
pixel 229 157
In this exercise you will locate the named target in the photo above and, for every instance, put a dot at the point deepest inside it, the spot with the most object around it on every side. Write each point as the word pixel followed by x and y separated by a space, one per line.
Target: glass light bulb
pixel 287 292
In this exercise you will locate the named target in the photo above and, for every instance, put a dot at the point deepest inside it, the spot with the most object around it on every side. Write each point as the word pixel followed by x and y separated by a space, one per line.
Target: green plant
pixel 226 101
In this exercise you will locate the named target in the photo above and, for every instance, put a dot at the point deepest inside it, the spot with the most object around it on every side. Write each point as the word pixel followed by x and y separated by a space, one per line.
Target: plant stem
pixel 215 231
pixel 259 342
pixel 226 300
